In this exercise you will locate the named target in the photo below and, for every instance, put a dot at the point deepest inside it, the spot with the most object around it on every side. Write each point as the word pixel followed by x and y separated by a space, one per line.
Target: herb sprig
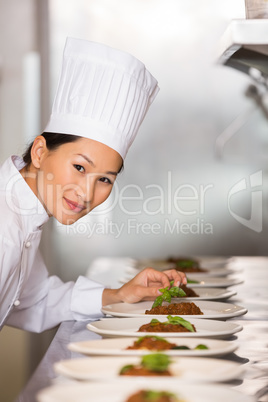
pixel 153 362
pixel 174 321
pixel 151 395
pixel 167 294
pixel 192 281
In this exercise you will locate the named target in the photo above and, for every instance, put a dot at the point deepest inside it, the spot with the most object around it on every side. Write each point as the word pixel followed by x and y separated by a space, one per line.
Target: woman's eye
pixel 79 168
pixel 105 180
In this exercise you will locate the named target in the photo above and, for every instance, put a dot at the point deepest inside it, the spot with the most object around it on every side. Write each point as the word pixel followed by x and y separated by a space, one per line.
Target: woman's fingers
pixel 178 277
pixel 146 284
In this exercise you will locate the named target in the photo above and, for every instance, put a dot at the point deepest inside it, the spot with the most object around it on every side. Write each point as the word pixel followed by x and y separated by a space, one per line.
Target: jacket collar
pixel 20 196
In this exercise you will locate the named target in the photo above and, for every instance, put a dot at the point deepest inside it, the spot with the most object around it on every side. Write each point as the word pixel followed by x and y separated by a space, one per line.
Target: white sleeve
pixel 61 302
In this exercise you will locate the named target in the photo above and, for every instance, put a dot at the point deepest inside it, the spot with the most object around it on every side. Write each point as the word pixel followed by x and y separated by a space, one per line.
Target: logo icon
pixel 255 220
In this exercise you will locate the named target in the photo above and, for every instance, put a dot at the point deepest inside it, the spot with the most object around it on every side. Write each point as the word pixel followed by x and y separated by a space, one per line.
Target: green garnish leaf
pixel 175 291
pixel 156 361
pixel 126 368
pixel 158 301
pixel 192 281
pixel 201 346
pixel 154 337
pixel 163 289
pixel 153 395
pixel 179 320
pixel 154 321
pixel 185 263
pixel 174 321
pixel 182 347
pixel 167 294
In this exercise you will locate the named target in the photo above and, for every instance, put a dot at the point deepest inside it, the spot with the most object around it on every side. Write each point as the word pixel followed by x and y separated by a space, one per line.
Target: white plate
pixel 214 282
pixel 214 310
pixel 119 392
pixel 209 294
pixel 118 346
pixel 115 327
pixel 203 281
pixel 211 270
pixel 183 368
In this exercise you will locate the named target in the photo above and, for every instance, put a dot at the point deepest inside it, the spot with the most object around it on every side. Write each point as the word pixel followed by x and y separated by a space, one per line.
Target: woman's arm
pixel 144 286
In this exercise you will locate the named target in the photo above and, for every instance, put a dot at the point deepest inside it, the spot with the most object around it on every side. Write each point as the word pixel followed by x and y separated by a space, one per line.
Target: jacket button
pixel 28 244
pixel 16 303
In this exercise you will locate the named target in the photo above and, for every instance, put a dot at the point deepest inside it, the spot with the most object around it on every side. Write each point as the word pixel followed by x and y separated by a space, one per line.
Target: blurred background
pixel 185 189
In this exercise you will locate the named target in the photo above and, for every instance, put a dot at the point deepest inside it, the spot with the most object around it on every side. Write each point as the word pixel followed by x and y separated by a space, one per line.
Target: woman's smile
pixel 74 206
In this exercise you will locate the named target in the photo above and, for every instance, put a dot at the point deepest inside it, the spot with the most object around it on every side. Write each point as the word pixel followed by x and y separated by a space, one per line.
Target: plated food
pixel 151 395
pixel 201 280
pixel 172 324
pixel 122 327
pixel 158 344
pixel 144 343
pixel 155 364
pixel 180 368
pixel 211 282
pixel 121 391
pixel 210 294
pixel 184 308
pixel 210 309
pixel 189 265
pixel 186 264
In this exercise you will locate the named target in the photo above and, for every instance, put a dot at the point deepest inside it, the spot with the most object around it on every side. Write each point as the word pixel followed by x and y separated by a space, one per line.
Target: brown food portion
pixel 178 260
pixel 186 264
pixel 190 269
pixel 140 396
pixel 189 292
pixel 160 327
pixel 176 309
pixel 142 371
pixel 152 343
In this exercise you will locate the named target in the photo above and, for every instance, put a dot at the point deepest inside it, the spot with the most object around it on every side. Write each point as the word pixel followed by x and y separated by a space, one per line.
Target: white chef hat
pixel 103 94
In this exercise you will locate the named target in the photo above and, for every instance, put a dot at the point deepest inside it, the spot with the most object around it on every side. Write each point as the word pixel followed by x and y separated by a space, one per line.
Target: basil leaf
pixel 156 361
pixel 154 337
pixel 158 301
pixel 192 281
pixel 180 348
pixel 167 296
pixel 201 346
pixel 175 291
pixel 126 368
pixel 185 263
pixel 163 289
pixel 154 321
pixel 179 320
pixel 156 395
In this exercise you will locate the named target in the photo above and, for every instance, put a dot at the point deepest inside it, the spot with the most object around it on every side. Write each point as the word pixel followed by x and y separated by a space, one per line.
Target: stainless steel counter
pixel 252 340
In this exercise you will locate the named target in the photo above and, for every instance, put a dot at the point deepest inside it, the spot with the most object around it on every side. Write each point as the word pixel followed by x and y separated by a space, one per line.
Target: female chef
pixel 102 97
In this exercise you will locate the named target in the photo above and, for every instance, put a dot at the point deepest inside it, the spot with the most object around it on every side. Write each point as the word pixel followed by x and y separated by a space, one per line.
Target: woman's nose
pixel 87 189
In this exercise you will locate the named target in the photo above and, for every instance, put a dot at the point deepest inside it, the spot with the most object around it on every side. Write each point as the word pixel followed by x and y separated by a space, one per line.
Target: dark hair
pixel 53 141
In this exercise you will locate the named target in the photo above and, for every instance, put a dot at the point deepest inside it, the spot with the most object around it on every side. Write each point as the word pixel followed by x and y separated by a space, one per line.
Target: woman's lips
pixel 74 206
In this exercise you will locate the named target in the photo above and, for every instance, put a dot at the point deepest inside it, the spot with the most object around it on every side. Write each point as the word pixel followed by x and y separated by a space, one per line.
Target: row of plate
pixel 119 330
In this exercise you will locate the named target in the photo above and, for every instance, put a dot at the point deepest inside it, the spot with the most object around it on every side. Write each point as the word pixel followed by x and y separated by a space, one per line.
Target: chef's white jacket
pixel 30 299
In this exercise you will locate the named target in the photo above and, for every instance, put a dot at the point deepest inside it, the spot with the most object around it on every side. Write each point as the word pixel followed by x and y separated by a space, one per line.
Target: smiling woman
pixel 71 179
pixel 102 98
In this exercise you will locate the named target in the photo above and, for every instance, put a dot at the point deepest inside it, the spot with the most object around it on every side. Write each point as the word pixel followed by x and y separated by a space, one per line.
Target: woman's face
pixel 75 178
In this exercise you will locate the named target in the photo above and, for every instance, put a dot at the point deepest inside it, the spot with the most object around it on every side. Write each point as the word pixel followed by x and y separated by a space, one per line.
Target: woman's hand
pixel 144 286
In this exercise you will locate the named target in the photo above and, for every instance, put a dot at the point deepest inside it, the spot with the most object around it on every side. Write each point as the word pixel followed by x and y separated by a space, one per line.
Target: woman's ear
pixel 39 149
